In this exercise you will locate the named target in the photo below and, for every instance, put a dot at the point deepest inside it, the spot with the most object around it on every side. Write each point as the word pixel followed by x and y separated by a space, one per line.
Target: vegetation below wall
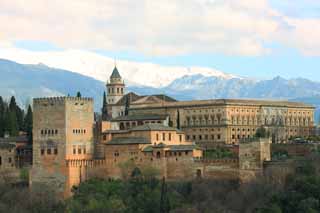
pixel 145 193
pixel 218 153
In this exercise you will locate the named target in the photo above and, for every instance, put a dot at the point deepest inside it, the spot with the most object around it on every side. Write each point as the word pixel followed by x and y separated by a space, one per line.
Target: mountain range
pixel 26 81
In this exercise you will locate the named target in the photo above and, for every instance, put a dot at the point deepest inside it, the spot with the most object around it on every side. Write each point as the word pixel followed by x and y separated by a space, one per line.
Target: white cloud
pixel 152 27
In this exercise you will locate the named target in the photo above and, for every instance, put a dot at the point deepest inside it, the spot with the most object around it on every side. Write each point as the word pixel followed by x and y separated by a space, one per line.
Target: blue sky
pixel 254 38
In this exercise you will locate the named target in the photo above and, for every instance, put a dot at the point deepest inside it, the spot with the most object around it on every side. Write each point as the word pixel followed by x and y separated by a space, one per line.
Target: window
pixel 104 137
pixel 180 138
pixel 42 151
pixel 84 131
pixel 157 136
pixel 84 149
pixel 42 132
pixel 55 151
pixel 49 151
pixel 79 150
pixel 163 136
pixel 118 90
pixel 169 136
pixel 233 136
pixel 219 137
pixel 56 132
pixel 0 161
pixel 200 137
pixel 74 150
pixel 9 160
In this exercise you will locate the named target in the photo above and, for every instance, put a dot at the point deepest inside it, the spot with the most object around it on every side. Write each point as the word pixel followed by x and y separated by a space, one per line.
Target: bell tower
pixel 115 87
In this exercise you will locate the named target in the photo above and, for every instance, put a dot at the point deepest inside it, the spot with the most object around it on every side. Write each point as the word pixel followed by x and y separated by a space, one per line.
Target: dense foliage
pixel 13 119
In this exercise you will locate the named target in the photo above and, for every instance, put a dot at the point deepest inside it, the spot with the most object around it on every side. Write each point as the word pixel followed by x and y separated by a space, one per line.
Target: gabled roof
pixel 115 73
pixel 128 140
pixel 132 97
pixel 155 127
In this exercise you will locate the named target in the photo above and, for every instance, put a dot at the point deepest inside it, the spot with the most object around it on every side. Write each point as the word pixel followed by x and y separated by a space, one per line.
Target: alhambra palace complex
pixel 70 145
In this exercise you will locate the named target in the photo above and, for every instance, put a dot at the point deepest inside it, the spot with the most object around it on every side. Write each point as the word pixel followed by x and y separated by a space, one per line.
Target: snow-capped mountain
pixel 100 67
pixel 29 81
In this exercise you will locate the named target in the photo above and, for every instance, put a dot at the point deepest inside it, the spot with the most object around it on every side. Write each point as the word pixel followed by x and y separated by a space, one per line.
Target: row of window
pixel 49 131
pixel 80 149
pixel 112 90
pixel 49 151
pixel 164 138
pixel 204 137
pixel 79 131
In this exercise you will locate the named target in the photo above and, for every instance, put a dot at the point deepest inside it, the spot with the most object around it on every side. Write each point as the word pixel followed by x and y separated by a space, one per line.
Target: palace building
pixel 157 131
pixel 212 122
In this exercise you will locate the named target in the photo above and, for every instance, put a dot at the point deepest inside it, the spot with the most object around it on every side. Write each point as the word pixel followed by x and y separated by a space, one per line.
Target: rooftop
pixel 115 73
pixel 153 127
pixel 141 117
pixel 236 102
pixel 128 140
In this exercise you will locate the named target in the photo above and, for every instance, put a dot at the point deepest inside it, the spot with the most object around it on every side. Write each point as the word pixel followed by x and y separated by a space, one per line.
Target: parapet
pixel 61 99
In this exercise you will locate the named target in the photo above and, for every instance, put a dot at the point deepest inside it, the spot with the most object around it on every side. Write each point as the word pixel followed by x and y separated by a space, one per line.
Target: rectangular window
pixel 180 138
pixel 104 137
pixel 56 132
pixel 84 149
pixel 219 137
pixel 163 136
pixel 169 136
pixel 42 151
pixel 49 151
pixel 9 160
pixel 55 151
pixel 157 136
pixel 74 150
pixel 79 150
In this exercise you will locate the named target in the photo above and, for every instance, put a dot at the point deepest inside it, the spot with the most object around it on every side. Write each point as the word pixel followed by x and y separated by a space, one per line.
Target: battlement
pixel 61 98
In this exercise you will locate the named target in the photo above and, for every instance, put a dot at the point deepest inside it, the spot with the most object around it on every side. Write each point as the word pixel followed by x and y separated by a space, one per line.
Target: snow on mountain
pixel 100 67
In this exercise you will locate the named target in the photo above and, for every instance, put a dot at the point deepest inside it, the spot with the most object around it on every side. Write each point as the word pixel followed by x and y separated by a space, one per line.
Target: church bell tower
pixel 115 87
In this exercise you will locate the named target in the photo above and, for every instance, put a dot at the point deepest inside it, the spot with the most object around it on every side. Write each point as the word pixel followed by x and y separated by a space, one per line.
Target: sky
pixel 253 38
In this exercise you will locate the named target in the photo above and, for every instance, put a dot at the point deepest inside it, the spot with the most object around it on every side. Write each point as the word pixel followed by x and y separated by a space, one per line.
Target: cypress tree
pixel 2 110
pixel 78 94
pixel 164 200
pixel 127 106
pixel 104 108
pixel 178 119
pixel 28 124
pixel 11 119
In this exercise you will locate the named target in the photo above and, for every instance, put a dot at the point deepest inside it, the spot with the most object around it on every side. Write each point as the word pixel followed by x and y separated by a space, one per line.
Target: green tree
pixel 127 106
pixel 28 124
pixel 78 94
pixel 2 111
pixel 104 108
pixel 178 119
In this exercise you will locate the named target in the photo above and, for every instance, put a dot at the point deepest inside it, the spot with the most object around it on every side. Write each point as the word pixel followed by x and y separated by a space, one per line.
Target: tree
pixel 2 111
pixel 28 124
pixel 104 108
pixel 78 94
pixel 164 200
pixel 262 132
pixel 127 106
pixel 178 119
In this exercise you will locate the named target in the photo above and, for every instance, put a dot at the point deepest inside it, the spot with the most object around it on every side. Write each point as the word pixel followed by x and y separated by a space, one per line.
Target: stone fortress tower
pixel 62 133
